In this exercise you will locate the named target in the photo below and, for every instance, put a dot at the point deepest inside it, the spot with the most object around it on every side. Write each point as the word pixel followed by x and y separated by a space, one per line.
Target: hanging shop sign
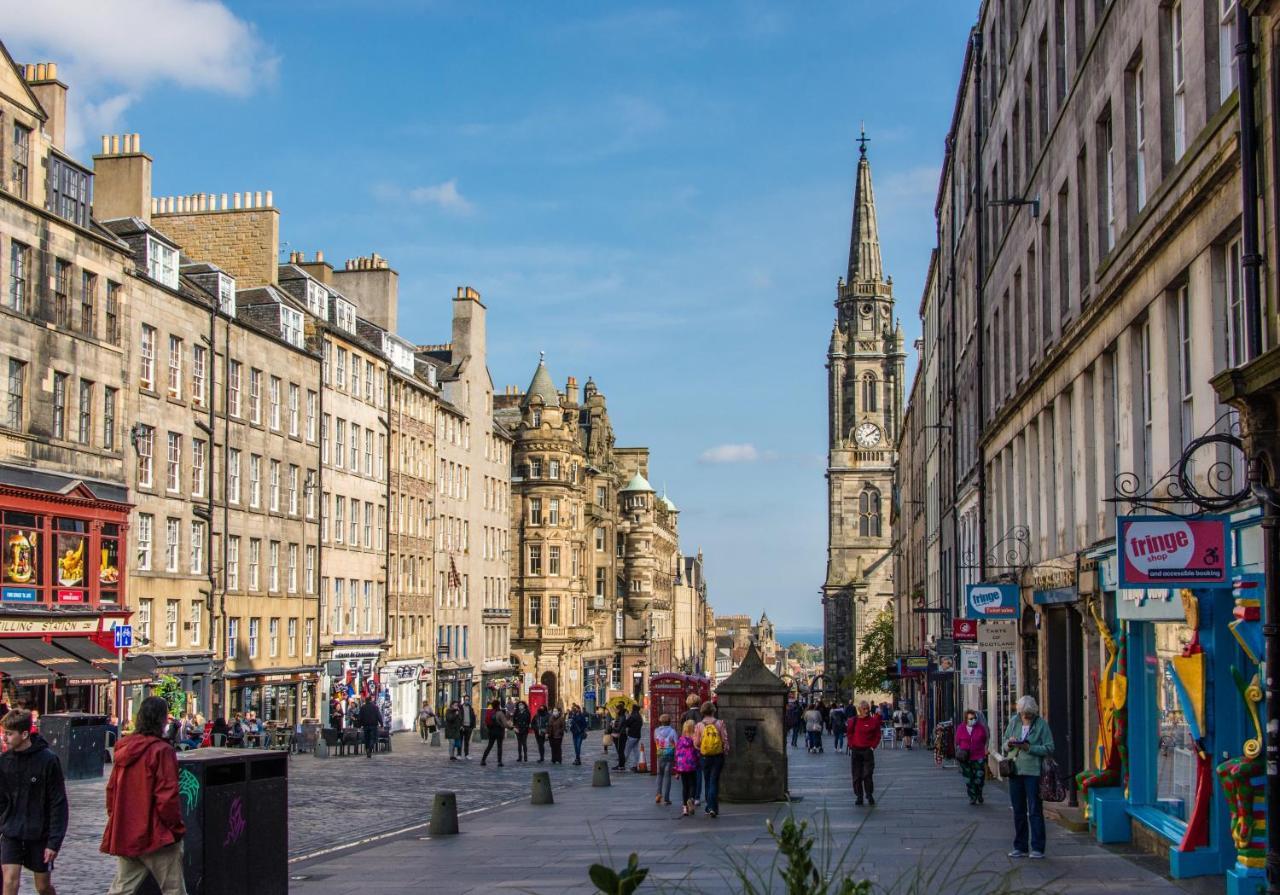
pixel 970 666
pixel 992 600
pixel 964 630
pixel 994 636
pixel 1159 551
pixel 946 664
pixel 915 663
pixel 1055 595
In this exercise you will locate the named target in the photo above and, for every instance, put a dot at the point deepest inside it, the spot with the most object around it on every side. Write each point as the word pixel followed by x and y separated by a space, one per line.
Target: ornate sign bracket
pixel 1176 490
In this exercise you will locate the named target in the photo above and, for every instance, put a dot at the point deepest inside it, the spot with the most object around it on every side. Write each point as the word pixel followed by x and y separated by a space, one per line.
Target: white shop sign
pixel 993 636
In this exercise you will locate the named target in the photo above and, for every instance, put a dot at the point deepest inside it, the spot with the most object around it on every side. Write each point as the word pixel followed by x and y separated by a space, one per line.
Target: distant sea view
pixel 788 636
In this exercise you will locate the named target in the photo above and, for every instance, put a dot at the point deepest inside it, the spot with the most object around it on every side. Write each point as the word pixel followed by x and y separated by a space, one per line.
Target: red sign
pixel 70 596
pixel 964 630
pixel 1160 551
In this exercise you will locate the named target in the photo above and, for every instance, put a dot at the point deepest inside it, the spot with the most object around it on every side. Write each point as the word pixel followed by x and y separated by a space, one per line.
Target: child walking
pixel 686 765
pixel 664 753
pixel 34 820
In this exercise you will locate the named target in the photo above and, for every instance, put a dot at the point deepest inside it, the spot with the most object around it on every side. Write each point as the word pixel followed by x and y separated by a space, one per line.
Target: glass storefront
pixel 1175 751
pixel 59 559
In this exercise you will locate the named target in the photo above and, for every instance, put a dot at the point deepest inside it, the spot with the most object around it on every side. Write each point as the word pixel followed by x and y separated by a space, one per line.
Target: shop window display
pixel 1176 751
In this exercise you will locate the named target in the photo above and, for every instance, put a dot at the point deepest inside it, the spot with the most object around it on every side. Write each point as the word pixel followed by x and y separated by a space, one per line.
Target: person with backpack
pixel 813 729
pixel 664 757
pixel 635 729
pixel 540 723
pixel 618 729
pixel 522 720
pixel 904 726
pixel 837 719
pixel 34 818
pixel 453 730
pixel 144 812
pixel 863 731
pixel 694 714
pixel 495 726
pixel 712 738
pixel 686 763
pixel 555 736
pixel 1028 742
pixel 578 723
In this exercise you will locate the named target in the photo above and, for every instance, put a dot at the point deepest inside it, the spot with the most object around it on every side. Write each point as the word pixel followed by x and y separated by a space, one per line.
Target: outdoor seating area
pixel 349 742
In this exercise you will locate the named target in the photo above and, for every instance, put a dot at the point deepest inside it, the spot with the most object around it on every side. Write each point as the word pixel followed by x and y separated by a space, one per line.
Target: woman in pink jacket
pixel 971 753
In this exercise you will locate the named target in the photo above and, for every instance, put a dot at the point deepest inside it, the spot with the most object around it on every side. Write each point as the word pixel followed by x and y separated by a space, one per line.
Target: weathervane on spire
pixel 542 356
pixel 863 141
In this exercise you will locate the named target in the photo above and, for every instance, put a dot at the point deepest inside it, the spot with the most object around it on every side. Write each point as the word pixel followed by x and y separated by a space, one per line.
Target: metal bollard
pixel 542 788
pixel 600 773
pixel 444 815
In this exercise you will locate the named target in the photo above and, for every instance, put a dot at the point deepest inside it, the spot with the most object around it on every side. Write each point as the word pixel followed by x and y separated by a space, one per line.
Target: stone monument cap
pixel 752 676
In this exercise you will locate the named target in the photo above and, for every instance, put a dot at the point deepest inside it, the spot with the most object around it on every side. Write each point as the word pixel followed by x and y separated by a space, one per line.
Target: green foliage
pixel 875 655
pixel 170 688
pixel 800 874
pixel 804 653
pixel 611 882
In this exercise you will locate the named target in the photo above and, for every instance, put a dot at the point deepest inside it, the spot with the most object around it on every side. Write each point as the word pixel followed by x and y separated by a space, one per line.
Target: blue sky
pixel 658 196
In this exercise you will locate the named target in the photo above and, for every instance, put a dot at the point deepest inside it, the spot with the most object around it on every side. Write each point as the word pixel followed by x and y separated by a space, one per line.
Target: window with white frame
pixel 344 315
pixel 255 395
pixel 226 295
pixel 1237 344
pixel 291 326
pixel 293 636
pixel 197 547
pixel 255 557
pixel 1139 136
pixel 194 614
pixel 1145 383
pixel 553 514
pixel 233 637
pixel 273 491
pixel 233 562
pixel 274 395
pixel 147 358
pixel 162 262
pixel 199 374
pixel 199 459
pixel 309 637
pixel 312 405
pixel 171 623
pixel 233 387
pixel 293 489
pixel 273 566
pixel 233 475
pixel 292 559
pixel 1185 382
pixel 175 367
pixel 253 638
pixel 317 300
pixel 273 637
pixel 1177 69
pixel 173 465
pixel 1227 80
pixel 145 525
pixel 1109 182
pixel 144 620
pixel 172 543
pixel 309 571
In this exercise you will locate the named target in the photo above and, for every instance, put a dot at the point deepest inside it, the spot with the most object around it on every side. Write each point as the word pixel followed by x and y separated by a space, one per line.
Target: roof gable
pixel 14 86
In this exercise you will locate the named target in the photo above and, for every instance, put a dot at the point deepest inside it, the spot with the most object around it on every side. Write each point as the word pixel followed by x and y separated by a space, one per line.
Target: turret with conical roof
pixel 542 385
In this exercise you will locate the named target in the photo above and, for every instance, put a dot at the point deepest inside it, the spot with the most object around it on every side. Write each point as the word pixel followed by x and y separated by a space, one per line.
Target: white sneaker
pixel 1037 854
pixel 1019 853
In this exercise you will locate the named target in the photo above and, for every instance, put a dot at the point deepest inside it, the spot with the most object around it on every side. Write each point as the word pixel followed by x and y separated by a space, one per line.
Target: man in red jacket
pixel 863 733
pixel 144 814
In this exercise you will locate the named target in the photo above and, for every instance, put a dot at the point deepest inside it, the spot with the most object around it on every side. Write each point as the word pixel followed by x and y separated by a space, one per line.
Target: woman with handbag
pixel 1027 742
pixel 971 753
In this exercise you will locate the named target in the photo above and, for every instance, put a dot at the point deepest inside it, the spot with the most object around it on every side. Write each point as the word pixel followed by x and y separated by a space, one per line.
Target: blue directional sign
pixel 124 636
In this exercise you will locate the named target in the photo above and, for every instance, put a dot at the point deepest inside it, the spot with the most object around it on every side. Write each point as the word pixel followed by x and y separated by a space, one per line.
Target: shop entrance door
pixel 1064 696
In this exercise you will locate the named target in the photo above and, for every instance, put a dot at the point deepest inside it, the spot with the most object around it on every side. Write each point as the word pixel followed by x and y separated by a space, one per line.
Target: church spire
pixel 864 242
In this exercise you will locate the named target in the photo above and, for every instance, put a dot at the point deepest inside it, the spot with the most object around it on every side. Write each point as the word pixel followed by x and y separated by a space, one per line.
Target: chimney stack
pixel 374 286
pixel 571 390
pixel 42 78
pixel 122 179
pixel 318 268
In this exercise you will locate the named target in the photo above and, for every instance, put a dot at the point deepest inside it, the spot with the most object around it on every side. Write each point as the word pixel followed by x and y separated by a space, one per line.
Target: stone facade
pixel 865 371
pixel 236 230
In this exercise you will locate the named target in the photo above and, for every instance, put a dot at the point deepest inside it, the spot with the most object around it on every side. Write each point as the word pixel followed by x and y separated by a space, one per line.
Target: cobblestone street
pixel 338 801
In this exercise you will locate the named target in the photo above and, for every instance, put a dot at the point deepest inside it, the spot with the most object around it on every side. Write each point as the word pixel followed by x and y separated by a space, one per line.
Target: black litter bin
pixel 235 807
pixel 79 740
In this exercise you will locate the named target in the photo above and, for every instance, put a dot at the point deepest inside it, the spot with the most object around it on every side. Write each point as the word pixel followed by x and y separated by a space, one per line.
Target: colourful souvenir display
pixel 1111 755
pixel 1188 676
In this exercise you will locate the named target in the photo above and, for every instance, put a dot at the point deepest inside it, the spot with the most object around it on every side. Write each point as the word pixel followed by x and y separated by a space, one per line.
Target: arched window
pixel 870 400
pixel 869 513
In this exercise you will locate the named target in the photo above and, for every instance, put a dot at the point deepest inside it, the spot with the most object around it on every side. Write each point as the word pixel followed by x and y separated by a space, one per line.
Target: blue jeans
pixel 1024 793
pixel 577 746
pixel 712 765
pixel 665 765
pixel 838 733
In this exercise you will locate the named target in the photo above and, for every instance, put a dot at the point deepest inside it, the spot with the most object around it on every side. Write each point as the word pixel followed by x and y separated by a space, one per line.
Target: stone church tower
pixel 864 408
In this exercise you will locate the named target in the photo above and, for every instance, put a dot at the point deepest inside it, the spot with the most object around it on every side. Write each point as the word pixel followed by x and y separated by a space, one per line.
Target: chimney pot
pixel 115 145
pixel 39 71
pixel 257 199
pixel 106 144
pixel 269 202
pixel 137 142
pixel 52 71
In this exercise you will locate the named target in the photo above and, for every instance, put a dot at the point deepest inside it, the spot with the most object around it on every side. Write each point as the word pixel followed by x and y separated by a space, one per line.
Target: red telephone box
pixel 537 698
pixel 668 693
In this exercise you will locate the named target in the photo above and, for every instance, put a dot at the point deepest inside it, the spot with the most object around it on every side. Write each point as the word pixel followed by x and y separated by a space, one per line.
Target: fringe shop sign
pixel 1163 552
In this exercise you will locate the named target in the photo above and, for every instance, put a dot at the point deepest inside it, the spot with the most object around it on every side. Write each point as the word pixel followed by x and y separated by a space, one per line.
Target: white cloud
pixel 442 195
pixel 111 51
pixel 734 453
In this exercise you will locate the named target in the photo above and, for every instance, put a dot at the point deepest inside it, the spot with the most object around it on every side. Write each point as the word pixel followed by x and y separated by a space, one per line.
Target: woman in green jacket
pixel 1027 741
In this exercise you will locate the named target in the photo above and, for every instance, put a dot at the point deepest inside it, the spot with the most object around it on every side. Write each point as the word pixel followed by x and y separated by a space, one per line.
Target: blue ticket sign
pixel 999 601
pixel 18 594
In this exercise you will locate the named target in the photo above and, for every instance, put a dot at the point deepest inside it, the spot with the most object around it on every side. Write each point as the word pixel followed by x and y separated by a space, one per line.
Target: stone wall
pixel 244 242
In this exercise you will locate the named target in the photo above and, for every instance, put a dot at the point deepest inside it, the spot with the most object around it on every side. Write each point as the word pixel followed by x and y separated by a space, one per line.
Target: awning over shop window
pixel 137 669
pixel 73 668
pixel 22 671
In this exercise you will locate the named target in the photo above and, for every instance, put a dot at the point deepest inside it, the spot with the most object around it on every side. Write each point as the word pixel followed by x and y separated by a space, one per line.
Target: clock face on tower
pixel 867 435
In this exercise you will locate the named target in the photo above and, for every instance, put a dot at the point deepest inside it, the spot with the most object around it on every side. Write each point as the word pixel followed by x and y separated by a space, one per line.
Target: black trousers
pixel 557 749
pixel 370 740
pixel 542 744
pixel 522 745
pixel 620 743
pixel 863 764
pixel 688 786
pixel 466 740
pixel 495 739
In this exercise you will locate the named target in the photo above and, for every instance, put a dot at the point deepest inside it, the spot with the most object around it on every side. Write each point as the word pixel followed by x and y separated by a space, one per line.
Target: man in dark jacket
pixel 144 810
pixel 33 813
pixel 369 719
pixel 468 726
pixel 635 726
